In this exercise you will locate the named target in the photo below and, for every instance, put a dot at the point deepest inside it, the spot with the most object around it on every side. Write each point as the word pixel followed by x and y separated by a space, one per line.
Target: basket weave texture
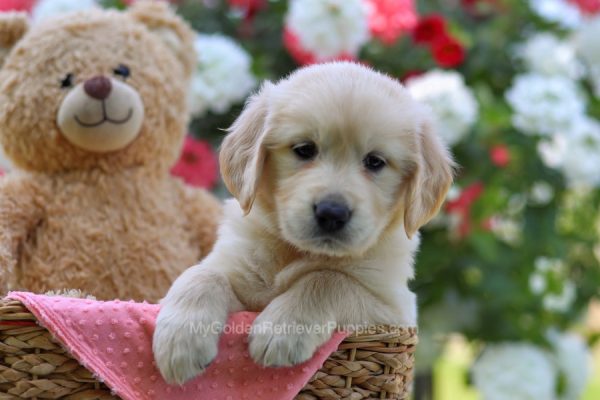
pixel 33 365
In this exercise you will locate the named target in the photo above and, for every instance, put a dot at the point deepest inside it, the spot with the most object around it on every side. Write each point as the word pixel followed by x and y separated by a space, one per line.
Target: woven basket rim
pixel 378 364
pixel 14 310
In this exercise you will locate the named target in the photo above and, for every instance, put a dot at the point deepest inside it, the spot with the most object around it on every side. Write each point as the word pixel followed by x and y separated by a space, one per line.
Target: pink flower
pixel 500 155
pixel 303 56
pixel 197 165
pixel 589 7
pixel 389 19
pixel 16 5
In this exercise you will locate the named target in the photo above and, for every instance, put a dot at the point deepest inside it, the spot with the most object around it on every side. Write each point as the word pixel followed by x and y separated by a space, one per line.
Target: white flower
pixel 559 11
pixel 581 161
pixel 222 77
pixel 329 28
pixel 544 105
pixel 562 301
pixel 534 52
pixel 573 361
pixel 514 371
pixel 49 8
pixel 508 230
pixel 541 193
pixel 588 48
pixel 537 283
pixel 553 152
pixel 450 99
pixel 576 153
pixel 549 280
pixel 546 264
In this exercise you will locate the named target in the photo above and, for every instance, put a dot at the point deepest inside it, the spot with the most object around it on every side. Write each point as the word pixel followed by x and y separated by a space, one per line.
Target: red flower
pixel 448 52
pixel 500 155
pixel 16 5
pixel 293 46
pixel 462 206
pixel 197 165
pixel 587 6
pixel 302 56
pixel 430 29
pixel 388 19
pixel 466 199
pixel 411 74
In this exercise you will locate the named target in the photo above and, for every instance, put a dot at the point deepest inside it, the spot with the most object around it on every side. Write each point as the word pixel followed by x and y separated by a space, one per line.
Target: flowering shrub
pixel 515 371
pixel 389 19
pixel 223 75
pixel 328 29
pixel 16 5
pixel 197 164
pixel 450 99
pixel 47 8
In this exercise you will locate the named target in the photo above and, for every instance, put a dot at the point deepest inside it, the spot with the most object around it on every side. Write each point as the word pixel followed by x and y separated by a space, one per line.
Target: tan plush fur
pixel 271 256
pixel 107 220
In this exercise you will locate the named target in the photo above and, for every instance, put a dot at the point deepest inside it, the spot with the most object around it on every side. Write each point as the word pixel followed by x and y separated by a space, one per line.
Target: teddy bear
pixel 93 114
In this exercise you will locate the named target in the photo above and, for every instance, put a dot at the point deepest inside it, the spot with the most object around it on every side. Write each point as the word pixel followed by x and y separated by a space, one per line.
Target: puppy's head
pixel 336 154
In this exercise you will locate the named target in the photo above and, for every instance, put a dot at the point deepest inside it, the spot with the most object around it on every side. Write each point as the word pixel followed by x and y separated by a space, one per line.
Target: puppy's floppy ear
pixel 426 190
pixel 169 27
pixel 242 153
pixel 13 26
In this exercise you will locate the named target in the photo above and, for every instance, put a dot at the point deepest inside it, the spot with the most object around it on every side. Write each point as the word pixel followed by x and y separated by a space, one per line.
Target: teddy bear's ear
pixel 173 30
pixel 13 26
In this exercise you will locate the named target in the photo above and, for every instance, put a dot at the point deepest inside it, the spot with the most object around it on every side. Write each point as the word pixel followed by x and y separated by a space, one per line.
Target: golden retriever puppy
pixel 334 170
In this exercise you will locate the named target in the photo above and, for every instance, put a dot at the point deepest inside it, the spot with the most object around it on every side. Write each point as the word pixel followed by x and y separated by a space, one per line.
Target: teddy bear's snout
pixel 101 114
pixel 98 87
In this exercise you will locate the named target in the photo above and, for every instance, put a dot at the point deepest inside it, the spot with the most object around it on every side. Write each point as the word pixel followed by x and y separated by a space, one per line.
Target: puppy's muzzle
pixel 332 214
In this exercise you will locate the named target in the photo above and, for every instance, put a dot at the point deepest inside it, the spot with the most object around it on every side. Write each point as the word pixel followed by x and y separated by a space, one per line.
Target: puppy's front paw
pixel 283 345
pixel 183 347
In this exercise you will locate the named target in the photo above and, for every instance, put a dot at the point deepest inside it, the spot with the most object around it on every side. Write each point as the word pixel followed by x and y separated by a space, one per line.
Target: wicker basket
pixel 34 366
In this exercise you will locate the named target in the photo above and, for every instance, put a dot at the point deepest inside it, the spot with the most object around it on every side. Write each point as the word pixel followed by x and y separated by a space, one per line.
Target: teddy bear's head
pixel 95 89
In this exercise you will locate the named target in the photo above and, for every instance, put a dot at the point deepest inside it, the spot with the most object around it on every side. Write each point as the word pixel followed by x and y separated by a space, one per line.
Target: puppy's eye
pixel 306 150
pixel 122 71
pixel 67 81
pixel 374 162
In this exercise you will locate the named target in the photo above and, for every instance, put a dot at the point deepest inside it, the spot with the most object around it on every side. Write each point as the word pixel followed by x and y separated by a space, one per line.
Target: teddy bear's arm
pixel 204 211
pixel 20 210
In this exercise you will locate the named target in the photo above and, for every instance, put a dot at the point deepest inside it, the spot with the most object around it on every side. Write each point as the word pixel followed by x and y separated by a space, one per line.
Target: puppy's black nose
pixel 332 215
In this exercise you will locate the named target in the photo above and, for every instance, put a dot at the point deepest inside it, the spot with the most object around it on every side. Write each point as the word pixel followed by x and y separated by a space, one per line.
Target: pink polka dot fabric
pixel 113 339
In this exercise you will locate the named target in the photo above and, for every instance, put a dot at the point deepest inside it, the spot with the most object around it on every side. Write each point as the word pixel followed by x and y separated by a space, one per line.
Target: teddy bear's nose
pixel 98 87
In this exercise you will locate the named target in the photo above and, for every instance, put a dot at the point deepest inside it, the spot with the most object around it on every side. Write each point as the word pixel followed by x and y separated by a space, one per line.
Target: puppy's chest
pixel 260 281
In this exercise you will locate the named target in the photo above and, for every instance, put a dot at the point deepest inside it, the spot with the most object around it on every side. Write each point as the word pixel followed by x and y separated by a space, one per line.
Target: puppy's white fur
pixel 272 260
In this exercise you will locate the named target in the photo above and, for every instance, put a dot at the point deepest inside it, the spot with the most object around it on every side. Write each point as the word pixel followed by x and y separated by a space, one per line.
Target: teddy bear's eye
pixel 66 82
pixel 122 70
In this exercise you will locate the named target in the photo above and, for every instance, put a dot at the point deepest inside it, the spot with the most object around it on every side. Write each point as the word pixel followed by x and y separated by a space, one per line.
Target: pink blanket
pixel 113 340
